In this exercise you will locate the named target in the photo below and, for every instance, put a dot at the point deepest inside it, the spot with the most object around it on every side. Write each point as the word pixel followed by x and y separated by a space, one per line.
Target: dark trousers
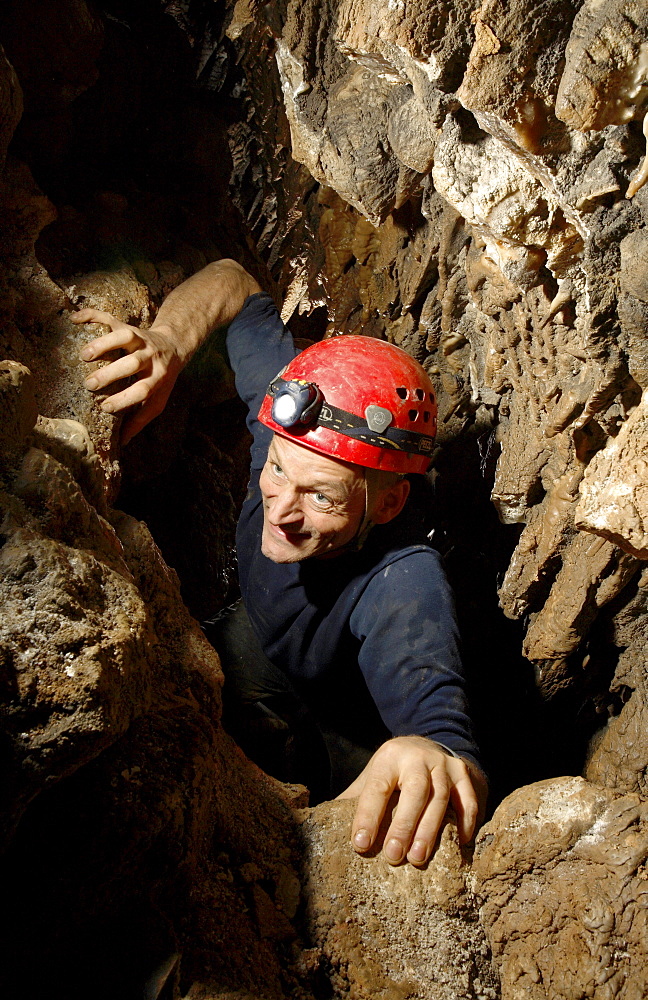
pixel 271 722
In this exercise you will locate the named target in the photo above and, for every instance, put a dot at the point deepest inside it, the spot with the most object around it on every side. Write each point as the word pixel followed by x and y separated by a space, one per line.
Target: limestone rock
pixel 412 136
pixel 522 43
pixel 113 760
pixel 613 491
pixel 425 43
pixel 24 211
pixel 593 572
pixel 633 276
pixel 491 188
pixel 491 240
pixel 361 171
pixel 561 871
pixel 60 376
pixel 18 412
pixel 387 931
pixel 617 753
pixel 76 634
pixel 605 80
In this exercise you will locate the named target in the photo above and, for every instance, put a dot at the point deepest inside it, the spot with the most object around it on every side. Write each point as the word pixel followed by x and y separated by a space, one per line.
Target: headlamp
pixel 295 403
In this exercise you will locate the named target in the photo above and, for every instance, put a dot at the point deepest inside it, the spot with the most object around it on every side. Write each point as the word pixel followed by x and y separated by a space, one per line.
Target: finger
pixel 466 806
pixel 94 316
pixel 427 830
pixel 124 367
pixel 139 392
pixel 134 423
pixel 416 789
pixel 123 338
pixel 353 790
pixel 372 803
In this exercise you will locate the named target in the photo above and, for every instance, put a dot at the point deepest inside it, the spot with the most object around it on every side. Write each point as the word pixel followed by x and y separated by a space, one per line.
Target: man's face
pixel 312 504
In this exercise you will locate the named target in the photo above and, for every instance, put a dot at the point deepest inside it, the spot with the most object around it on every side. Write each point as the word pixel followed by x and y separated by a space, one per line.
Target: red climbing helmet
pixel 357 399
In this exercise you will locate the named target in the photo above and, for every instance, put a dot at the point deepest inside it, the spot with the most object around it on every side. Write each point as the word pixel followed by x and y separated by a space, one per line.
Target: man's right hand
pixel 155 357
pixel 152 357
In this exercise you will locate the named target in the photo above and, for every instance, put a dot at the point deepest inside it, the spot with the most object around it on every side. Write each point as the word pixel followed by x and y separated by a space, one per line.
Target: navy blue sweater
pixel 369 638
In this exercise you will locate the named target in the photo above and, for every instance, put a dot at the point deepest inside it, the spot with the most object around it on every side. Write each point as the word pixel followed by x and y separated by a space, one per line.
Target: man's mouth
pixel 288 536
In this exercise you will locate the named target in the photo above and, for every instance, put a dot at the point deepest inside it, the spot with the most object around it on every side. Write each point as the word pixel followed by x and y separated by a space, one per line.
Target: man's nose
pixel 285 506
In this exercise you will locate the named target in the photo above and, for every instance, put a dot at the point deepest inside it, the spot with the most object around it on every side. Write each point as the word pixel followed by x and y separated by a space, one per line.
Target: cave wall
pixel 466 181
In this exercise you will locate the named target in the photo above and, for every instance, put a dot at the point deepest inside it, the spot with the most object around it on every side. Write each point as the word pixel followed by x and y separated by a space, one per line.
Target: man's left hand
pixel 427 780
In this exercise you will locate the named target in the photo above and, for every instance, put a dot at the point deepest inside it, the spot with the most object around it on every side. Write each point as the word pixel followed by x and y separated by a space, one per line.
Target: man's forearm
pixel 205 301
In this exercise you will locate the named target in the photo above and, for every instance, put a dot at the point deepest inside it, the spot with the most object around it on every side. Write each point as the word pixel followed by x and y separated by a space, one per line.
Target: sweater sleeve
pixel 409 653
pixel 259 346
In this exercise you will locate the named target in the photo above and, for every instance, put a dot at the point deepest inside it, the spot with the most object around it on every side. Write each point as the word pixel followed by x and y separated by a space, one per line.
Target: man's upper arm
pixel 410 655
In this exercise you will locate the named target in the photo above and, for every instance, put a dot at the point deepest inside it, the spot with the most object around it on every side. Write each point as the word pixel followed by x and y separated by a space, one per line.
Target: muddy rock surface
pixel 468 181
pixel 364 917
pixel 562 875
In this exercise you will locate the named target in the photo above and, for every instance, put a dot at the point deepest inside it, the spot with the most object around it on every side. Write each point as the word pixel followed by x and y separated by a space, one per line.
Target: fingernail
pixel 91 383
pixel 107 406
pixel 418 851
pixel 86 354
pixel 394 851
pixel 362 840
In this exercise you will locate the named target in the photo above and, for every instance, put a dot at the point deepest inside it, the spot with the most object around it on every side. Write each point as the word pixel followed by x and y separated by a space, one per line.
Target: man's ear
pixel 391 502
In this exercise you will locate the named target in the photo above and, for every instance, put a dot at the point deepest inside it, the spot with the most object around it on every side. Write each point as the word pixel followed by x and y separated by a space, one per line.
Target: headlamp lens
pixel 296 403
pixel 284 409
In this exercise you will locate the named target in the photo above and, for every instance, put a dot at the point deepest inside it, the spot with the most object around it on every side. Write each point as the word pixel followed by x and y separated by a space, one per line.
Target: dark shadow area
pixel 90 898
pixel 523 737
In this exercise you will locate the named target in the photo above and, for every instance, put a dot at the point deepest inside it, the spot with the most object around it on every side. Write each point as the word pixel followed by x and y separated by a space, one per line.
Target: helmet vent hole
pixel 413 414
pixel 420 395
pixel 431 398
pixel 402 392
pixel 426 416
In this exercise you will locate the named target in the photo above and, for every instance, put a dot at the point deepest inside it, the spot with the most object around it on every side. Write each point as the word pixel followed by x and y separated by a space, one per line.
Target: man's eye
pixel 278 471
pixel 322 500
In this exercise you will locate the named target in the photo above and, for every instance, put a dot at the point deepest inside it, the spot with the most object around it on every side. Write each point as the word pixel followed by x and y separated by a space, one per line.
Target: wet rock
pixel 425 43
pixel 492 189
pixel 523 44
pixel 605 80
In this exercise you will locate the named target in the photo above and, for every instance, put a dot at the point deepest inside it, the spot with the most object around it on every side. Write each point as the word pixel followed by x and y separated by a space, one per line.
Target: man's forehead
pixel 322 468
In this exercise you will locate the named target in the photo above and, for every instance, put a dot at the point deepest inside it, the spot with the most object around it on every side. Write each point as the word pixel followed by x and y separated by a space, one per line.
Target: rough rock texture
pixel 605 80
pixel 613 490
pixel 364 918
pixel 561 870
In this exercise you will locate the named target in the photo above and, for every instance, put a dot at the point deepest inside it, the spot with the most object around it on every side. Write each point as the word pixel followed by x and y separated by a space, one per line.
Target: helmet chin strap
pixel 371 481
pixel 372 490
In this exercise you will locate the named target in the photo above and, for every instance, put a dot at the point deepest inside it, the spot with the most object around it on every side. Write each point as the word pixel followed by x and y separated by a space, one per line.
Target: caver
pixel 353 637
